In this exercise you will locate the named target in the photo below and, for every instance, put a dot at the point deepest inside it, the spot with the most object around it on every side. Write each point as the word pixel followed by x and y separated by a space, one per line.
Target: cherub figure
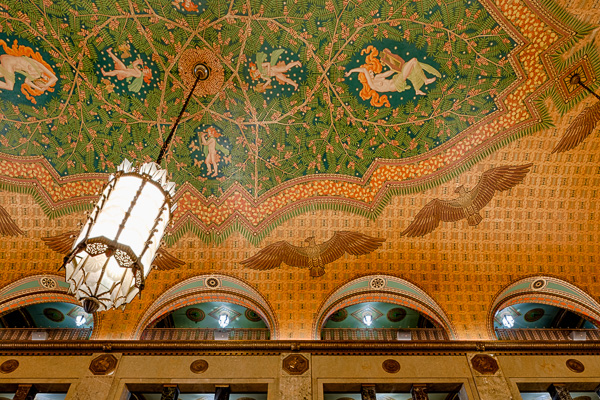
pixel 188 5
pixel 135 73
pixel 208 138
pixel 39 76
pixel 266 70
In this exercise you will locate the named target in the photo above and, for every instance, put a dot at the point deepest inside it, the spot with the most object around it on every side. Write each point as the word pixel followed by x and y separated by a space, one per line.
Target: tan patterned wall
pixel 548 225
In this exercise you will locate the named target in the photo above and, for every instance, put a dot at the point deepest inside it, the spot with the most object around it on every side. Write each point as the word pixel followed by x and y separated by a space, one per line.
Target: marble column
pixel 25 392
pixel 170 392
pixel 368 392
pixel 295 377
pixel 559 392
pixel 490 382
pixel 222 392
pixel 419 392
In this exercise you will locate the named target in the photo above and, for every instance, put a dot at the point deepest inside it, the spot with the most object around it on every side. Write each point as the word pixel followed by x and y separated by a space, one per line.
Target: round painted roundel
pixel 339 315
pixel 534 315
pixel 538 284
pixel 194 314
pixel 53 314
pixel 396 314
pixel 252 316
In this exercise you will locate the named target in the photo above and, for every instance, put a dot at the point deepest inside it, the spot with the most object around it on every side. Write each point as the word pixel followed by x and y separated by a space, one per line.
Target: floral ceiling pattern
pixel 335 104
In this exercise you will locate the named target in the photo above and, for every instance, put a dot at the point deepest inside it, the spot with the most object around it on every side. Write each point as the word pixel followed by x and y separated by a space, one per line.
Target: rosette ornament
pixel 112 256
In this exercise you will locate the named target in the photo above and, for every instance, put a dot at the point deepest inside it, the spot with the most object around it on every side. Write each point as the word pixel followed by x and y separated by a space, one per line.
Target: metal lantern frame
pixel 89 245
pixel 132 269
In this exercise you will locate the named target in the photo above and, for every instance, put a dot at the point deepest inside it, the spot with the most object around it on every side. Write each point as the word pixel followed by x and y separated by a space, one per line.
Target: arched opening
pixel 39 308
pixel 212 320
pixel 380 321
pixel 544 308
pixel 548 318
pixel 404 311
pixel 206 295
pixel 46 321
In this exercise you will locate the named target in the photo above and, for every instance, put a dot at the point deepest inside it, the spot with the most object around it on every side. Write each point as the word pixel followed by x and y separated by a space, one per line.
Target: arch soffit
pixel 208 288
pixel 36 289
pixel 546 290
pixel 382 288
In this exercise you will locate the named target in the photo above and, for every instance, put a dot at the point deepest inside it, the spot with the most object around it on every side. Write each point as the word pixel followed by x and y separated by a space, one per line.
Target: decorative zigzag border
pixel 574 31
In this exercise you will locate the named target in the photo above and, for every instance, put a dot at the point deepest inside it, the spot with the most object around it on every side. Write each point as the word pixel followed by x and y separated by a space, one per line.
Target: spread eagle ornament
pixel 8 227
pixel 63 244
pixel 314 256
pixel 469 202
pixel 583 125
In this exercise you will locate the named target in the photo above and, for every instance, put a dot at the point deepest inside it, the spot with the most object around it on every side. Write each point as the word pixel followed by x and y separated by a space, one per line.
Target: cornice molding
pixel 241 348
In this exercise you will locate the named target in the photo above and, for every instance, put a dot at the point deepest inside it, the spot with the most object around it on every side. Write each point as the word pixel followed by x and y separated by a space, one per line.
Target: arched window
pixel 386 301
pixel 208 307
pixel 544 308
pixel 39 308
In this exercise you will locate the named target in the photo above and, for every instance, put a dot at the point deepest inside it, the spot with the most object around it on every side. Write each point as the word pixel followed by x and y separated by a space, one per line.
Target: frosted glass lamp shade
pixel 113 254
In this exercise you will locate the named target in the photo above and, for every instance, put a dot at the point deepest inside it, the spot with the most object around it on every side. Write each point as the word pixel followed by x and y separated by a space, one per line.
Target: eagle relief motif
pixel 8 227
pixel 583 125
pixel 314 256
pixel 63 244
pixel 469 202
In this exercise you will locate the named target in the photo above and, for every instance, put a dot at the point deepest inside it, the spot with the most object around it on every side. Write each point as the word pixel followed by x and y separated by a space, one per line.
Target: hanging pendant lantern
pixel 113 254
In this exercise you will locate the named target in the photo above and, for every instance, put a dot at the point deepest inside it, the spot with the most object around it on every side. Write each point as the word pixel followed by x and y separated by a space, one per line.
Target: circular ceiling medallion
pixel 47 282
pixel 53 314
pixel 189 65
pixel 194 314
pixel 575 365
pixel 213 283
pixel 339 315
pixel 377 283
pixel 391 366
pixel 538 284
pixel 9 366
pixel 534 315
pixel 396 314
pixel 252 316
pixel 199 366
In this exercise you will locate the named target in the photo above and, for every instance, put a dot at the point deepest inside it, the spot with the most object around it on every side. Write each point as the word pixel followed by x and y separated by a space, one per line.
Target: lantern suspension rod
pixel 576 79
pixel 167 142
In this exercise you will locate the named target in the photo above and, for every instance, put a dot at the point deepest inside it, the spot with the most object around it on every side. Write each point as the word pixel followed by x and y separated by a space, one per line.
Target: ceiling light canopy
pixel 113 254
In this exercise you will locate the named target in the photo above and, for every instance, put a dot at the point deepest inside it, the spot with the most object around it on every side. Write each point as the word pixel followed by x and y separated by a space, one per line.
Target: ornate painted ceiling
pixel 318 116
pixel 310 104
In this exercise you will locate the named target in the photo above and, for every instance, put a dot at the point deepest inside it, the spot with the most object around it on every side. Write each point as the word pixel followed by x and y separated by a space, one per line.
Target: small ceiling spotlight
pixel 80 320
pixel 223 320
pixel 508 321
pixel 368 319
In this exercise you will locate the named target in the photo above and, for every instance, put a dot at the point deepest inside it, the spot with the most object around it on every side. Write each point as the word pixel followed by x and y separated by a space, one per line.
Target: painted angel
pixel 266 70
pixel 208 138
pixel 399 73
pixel 187 5
pixel 21 60
pixel 135 73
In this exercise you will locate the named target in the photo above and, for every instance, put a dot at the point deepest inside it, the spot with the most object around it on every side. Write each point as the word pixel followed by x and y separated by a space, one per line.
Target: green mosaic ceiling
pixel 312 91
